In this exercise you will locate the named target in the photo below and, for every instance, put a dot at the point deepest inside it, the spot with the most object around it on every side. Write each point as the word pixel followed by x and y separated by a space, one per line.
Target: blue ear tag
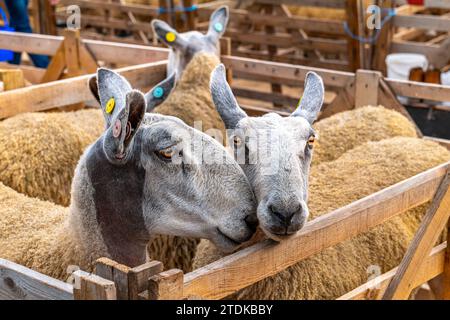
pixel 158 92
pixel 218 27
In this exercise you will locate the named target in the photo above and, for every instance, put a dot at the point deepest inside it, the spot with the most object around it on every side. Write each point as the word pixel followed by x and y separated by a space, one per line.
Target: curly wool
pixel 36 234
pixel 356 174
pixel 349 129
pixel 39 151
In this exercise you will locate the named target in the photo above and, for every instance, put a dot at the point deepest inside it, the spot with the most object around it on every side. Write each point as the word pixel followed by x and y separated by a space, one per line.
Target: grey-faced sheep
pixel 356 174
pixel 139 179
pixel 39 151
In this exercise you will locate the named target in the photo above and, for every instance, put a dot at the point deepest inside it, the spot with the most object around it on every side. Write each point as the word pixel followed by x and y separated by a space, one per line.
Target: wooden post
pixel 191 16
pixel 167 285
pixel 272 50
pixel 130 282
pixel 225 49
pixel 353 44
pixel 71 59
pixel 91 287
pixel 12 79
pixel 446 274
pixel 366 90
pixel 428 233
pixel 382 46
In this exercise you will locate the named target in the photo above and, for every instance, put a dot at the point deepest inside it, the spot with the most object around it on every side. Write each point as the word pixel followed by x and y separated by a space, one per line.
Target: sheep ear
pixel 312 99
pixel 224 100
pixel 160 92
pixel 112 91
pixel 218 23
pixel 168 35
pixel 93 86
pixel 117 142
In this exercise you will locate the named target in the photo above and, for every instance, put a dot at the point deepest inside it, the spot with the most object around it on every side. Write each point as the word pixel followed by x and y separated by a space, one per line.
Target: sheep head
pixel 152 174
pixel 274 152
pixel 185 45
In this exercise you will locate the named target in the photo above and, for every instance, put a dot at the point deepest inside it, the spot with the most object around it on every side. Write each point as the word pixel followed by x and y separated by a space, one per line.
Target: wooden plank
pixel 422 21
pixel 277 98
pixel 419 90
pixel 374 289
pixel 56 67
pixel 20 283
pixel 334 4
pixel 74 90
pixel 276 70
pixel 114 7
pixel 426 236
pixel 166 285
pixel 295 59
pixel 227 275
pixel 254 111
pixel 328 26
pixel 111 52
pixel 92 287
pixel 366 89
pixel 96 21
pixel 287 40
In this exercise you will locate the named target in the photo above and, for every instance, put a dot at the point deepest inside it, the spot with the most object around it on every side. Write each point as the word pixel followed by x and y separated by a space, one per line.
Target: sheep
pixel 346 130
pixel 185 46
pixel 282 194
pixel 49 177
pixel 357 173
pixel 139 179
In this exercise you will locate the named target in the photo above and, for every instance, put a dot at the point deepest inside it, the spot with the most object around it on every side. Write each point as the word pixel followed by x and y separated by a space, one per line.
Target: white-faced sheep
pixel 128 188
pixel 282 195
pixel 356 174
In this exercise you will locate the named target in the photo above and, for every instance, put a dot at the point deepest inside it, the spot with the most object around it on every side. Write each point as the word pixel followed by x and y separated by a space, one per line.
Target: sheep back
pixel 349 129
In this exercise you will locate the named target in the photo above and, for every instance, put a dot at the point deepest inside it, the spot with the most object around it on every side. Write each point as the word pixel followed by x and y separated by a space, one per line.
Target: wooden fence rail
pixel 227 275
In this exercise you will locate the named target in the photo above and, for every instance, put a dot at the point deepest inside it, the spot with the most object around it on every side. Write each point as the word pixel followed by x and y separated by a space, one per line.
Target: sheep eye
pixel 167 153
pixel 237 141
pixel 311 141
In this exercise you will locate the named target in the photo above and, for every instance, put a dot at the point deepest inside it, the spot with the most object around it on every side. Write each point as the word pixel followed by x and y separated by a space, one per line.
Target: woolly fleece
pixel 39 151
pixel 349 129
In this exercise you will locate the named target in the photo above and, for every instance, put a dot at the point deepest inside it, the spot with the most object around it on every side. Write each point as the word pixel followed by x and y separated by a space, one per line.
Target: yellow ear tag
pixel 110 106
pixel 170 37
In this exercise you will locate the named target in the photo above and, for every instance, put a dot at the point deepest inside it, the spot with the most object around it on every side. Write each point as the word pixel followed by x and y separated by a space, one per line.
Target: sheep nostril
pixel 284 216
pixel 252 222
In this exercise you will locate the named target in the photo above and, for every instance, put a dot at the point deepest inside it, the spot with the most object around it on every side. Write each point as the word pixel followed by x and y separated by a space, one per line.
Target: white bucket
pixel 399 65
pixel 445 78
